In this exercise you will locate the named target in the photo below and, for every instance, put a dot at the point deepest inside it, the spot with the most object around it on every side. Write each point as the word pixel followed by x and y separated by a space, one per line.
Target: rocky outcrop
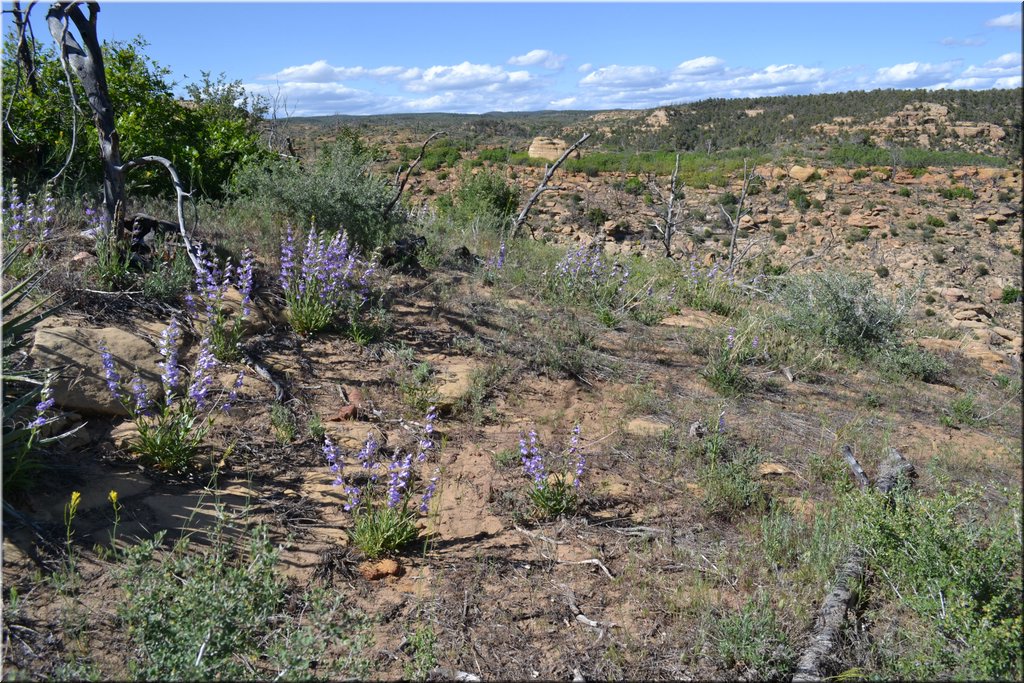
pixel 549 148
pixel 74 352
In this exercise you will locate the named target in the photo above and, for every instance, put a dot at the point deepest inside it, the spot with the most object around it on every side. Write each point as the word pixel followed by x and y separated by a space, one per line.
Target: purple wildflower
pixel 428 492
pixel 426 441
pixel 233 396
pixel 399 478
pixel 46 394
pixel 731 339
pixel 753 343
pixel 353 492
pixel 168 348
pixel 202 375
pixel 576 453
pixel 140 394
pixel 721 422
pixel 287 258
pixel 331 453
pixel 533 460
pixel 245 280
pixel 109 373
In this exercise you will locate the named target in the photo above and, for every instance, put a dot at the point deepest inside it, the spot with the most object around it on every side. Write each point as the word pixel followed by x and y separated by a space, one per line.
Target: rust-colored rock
pixel 381 569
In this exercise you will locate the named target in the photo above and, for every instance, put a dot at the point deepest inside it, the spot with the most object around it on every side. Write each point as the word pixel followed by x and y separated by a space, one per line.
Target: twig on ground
pixel 593 561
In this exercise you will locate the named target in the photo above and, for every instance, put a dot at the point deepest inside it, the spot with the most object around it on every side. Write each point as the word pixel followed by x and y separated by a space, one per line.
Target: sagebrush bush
pixel 841 310
pixel 336 191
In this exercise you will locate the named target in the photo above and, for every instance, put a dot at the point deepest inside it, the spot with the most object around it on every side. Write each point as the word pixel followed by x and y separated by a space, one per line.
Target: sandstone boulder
pixel 549 148
pixel 802 173
pixel 74 351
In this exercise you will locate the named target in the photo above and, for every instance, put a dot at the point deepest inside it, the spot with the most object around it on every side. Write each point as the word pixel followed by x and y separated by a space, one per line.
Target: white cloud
pixel 545 58
pixel 462 77
pixel 1008 82
pixel 322 72
pixel 962 42
pixel 616 76
pixel 911 74
pixel 564 103
pixel 584 68
pixel 700 65
pixel 1005 21
pixel 1006 65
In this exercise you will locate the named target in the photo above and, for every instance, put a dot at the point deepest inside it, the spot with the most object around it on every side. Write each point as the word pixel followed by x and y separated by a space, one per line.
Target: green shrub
pixel 958 192
pixel 730 486
pixel 596 215
pixel 633 186
pixel 934 221
pixel 337 190
pixel 798 196
pixel 841 310
pixel 216 612
pixel 882 271
pixel 1010 295
pixel 900 361
pixel 954 583
pixel 861 173
pixel 752 640
pixel 483 199
pixel 497 155
pixel 904 192
pixel 206 138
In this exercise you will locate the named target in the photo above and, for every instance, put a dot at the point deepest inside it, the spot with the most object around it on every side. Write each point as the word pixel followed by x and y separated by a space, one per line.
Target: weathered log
pixel 831 616
pixel 858 471
pixel 894 472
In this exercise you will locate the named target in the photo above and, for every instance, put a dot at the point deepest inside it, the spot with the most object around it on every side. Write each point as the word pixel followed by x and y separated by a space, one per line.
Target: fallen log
pixel 894 472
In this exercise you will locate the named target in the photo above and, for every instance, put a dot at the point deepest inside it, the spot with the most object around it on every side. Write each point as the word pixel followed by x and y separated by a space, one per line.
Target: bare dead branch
pixel 408 172
pixel 87 61
pixel 543 187
pixel 858 471
pixel 179 190
pixel 668 230
pixel 74 107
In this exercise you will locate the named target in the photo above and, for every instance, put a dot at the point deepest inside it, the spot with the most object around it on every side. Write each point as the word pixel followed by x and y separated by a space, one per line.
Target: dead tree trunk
pixel 86 59
pixel 896 470
pixel 734 219
pixel 668 230
pixel 543 187
pixel 408 172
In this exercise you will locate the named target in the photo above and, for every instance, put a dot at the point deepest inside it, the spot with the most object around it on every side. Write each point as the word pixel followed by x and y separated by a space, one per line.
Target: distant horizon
pixel 660 106
pixel 374 58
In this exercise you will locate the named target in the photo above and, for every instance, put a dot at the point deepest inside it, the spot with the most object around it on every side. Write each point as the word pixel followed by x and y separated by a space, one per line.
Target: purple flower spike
pixel 140 395
pixel 245 280
pixel 576 453
pixel 168 348
pixel 202 376
pixel 533 461
pixel 109 373
pixel 46 394
pixel 233 396
pixel 332 455
pixel 429 491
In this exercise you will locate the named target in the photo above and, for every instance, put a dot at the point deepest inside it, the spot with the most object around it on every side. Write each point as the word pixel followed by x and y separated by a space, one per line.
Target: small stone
pixel 773 469
pixel 374 571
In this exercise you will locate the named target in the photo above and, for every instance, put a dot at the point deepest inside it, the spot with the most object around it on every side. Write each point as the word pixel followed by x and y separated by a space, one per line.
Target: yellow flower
pixel 76 498
pixel 112 497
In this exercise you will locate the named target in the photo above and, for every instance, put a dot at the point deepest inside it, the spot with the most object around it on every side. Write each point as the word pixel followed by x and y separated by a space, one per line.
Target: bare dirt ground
pixel 628 586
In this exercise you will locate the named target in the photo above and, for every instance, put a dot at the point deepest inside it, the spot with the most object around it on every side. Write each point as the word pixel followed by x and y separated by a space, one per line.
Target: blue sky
pixel 474 57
